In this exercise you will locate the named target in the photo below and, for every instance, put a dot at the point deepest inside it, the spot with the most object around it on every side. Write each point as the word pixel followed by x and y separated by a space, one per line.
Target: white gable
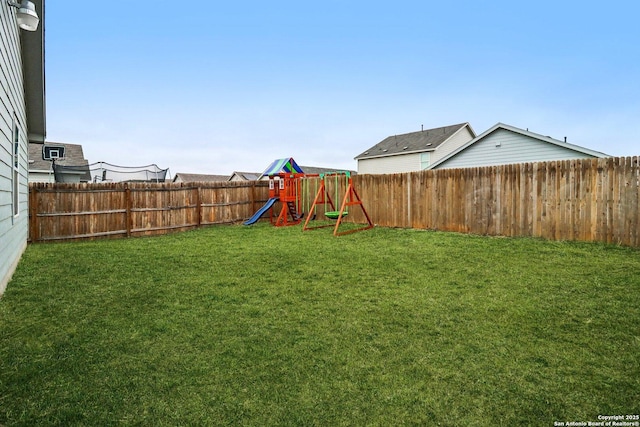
pixel 461 137
pixel 418 156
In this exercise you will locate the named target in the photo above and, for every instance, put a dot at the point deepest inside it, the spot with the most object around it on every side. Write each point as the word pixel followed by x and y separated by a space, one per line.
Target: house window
pixel 425 160
pixel 15 188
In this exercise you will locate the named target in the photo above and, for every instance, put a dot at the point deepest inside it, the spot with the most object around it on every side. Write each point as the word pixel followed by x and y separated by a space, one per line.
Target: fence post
pixel 33 213
pixel 409 219
pixel 252 196
pixel 128 219
pixel 198 207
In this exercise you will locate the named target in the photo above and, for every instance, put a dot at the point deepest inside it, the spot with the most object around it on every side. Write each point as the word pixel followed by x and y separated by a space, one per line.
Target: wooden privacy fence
pixel 85 211
pixel 590 200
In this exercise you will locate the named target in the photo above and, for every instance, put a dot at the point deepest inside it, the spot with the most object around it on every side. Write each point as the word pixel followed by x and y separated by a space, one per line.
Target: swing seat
pixel 335 214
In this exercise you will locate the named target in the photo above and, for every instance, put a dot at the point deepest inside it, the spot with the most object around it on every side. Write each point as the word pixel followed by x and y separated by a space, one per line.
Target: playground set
pixel 291 186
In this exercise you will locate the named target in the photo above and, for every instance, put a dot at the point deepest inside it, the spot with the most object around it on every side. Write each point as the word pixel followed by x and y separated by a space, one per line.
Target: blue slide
pixel 256 216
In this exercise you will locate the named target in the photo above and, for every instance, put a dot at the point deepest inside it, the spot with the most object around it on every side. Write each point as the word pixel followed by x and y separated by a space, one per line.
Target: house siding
pixel 456 141
pixel 506 147
pixel 38 176
pixel 13 229
pixel 392 164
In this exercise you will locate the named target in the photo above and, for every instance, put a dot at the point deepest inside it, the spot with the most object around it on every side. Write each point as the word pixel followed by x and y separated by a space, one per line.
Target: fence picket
pixel 587 199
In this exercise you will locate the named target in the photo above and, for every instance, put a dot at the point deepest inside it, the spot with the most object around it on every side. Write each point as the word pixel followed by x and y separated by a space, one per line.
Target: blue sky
pixel 217 87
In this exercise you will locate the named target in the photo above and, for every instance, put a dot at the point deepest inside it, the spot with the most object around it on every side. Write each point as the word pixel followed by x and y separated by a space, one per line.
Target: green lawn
pixel 268 326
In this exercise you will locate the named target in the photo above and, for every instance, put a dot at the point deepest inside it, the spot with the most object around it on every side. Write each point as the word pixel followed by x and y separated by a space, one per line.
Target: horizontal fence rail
pixel 88 211
pixel 588 200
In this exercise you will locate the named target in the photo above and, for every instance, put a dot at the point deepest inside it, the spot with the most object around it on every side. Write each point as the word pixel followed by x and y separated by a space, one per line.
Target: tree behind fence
pixel 591 200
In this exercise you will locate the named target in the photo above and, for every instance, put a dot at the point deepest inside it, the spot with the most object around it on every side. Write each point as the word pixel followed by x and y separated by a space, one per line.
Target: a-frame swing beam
pixel 322 197
pixel 351 198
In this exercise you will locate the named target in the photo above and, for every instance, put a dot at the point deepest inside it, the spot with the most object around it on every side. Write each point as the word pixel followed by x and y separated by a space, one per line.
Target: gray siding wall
pixel 505 147
pixel 13 229
pixel 391 164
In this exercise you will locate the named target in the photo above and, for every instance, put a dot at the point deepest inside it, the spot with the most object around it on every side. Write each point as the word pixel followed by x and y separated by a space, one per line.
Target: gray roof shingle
pixel 73 158
pixel 424 140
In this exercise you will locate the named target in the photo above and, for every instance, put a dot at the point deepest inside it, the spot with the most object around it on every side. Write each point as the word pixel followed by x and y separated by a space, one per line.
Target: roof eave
pixel 394 154
pixel 554 141
pixel 461 126
pixel 33 68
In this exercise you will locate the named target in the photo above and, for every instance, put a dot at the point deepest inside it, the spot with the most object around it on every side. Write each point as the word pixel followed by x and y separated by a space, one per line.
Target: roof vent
pixel 405 147
pixel 428 144
pixel 385 150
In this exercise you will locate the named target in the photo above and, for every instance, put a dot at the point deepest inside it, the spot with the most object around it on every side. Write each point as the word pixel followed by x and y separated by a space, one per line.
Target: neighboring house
pixel 413 151
pixel 57 162
pixel 22 120
pixel 244 176
pixel 192 177
pixel 503 144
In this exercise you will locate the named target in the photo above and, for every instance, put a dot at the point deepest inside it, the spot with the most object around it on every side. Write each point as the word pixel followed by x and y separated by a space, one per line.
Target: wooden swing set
pixel 351 198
